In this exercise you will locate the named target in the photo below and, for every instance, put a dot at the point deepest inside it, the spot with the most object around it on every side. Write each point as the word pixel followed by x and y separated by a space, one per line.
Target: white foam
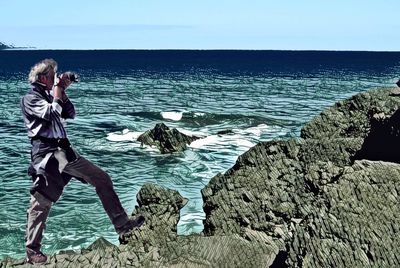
pixel 245 143
pixel 174 116
pixel 125 136
pixel 242 138
pixel 205 141
pixel 199 114
pixel 192 217
pixel 257 131
pixel 192 133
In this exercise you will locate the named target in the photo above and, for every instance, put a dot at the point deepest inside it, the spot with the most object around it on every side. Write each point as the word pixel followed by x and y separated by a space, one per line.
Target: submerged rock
pixel 225 131
pixel 165 139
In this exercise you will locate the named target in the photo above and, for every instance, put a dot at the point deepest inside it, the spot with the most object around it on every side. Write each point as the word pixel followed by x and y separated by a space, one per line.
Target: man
pixel 53 160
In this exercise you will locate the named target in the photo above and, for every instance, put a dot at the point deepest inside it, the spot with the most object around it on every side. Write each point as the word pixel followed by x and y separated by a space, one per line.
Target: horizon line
pixel 190 49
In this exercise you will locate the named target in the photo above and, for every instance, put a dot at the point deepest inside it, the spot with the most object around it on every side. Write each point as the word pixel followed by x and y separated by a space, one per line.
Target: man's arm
pixel 59 92
pixel 37 106
pixel 68 107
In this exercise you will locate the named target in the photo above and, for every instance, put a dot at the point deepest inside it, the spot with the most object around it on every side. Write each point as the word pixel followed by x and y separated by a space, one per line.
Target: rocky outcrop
pixel 165 139
pixel 164 248
pixel 315 201
pixel 314 197
pixel 354 221
pixel 156 243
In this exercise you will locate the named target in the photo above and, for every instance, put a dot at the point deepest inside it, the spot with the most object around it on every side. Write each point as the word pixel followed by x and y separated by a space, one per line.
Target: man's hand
pixel 62 81
pixel 60 84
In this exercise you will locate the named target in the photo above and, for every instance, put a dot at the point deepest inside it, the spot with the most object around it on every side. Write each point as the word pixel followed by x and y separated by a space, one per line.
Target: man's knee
pixel 40 202
pixel 102 180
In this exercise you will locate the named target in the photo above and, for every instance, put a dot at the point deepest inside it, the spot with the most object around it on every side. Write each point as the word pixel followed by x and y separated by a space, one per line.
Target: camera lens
pixel 72 76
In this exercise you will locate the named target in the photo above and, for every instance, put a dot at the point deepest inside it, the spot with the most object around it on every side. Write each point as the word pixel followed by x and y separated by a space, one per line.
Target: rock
pixel 359 209
pixel 225 131
pixel 160 207
pixel 165 139
pixel 156 243
pixel 351 118
pixel 308 195
pixel 100 244
pixel 315 201
pixel 383 140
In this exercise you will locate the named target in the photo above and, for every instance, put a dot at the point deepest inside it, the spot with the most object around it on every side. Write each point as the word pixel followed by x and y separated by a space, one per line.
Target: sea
pixel 257 95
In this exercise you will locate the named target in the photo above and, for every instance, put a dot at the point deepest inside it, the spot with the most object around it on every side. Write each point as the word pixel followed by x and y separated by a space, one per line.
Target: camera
pixel 74 77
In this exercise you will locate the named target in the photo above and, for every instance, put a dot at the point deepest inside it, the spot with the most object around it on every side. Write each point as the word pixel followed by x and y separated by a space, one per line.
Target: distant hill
pixel 4 46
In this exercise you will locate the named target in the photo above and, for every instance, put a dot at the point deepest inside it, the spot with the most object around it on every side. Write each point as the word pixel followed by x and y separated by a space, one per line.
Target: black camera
pixel 73 77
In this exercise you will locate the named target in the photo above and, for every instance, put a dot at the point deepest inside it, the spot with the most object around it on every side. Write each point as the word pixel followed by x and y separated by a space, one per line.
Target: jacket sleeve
pixel 68 110
pixel 38 107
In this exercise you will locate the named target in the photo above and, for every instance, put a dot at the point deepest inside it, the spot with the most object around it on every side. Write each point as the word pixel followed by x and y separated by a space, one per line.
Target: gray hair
pixel 41 68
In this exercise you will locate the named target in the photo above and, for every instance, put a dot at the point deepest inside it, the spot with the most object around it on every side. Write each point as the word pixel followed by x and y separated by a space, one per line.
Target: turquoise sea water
pixel 259 95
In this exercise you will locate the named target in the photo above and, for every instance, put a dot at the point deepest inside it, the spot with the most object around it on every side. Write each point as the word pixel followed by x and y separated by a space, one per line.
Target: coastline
pixel 285 202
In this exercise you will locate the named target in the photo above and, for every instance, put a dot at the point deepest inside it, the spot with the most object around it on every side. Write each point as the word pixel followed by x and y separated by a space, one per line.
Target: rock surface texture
pixel 330 198
pixel 165 139
pixel 320 198
pixel 156 243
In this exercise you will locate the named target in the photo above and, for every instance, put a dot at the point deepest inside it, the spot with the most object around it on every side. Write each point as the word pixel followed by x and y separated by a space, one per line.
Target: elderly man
pixel 53 160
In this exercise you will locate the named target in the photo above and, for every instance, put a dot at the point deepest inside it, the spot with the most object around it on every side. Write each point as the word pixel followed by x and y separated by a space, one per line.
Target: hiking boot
pixel 131 225
pixel 36 258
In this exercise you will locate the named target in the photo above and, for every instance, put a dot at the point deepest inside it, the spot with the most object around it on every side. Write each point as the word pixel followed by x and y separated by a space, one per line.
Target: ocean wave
pixel 201 119
pixel 242 138
pixel 126 135
pixel 247 137
pixel 174 116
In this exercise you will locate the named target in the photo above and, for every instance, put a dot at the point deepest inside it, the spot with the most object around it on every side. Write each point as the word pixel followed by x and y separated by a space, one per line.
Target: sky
pixel 370 25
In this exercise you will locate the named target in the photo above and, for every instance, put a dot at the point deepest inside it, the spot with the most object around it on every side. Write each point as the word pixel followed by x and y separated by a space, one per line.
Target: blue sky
pixel 206 24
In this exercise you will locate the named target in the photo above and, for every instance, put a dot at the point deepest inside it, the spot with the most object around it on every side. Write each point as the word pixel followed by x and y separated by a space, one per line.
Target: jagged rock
pixel 165 139
pixel 351 118
pixel 383 141
pixel 160 207
pixel 355 224
pixel 309 197
pixel 100 244
pixel 156 243
pixel 165 248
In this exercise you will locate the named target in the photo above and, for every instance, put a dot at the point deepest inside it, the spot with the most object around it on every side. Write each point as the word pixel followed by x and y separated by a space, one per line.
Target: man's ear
pixel 40 78
pixel 43 78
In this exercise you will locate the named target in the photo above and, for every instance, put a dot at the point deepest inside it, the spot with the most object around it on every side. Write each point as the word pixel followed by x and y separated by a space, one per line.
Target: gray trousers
pixel 83 169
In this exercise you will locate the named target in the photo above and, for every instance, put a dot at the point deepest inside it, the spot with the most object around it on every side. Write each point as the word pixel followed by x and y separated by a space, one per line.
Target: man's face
pixel 48 79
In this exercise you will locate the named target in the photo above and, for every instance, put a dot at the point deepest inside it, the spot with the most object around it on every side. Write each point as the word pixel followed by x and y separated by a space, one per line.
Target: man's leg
pixel 89 172
pixel 37 215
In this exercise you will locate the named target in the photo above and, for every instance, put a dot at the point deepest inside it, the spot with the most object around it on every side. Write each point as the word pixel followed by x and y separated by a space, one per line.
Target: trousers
pixel 84 170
